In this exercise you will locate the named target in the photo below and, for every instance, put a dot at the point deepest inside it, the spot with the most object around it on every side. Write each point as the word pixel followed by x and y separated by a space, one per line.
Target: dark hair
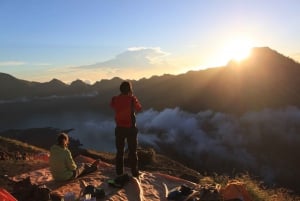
pixel 125 87
pixel 62 137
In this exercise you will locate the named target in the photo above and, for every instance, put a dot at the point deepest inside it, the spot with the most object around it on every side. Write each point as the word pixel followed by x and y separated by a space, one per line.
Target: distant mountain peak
pixel 264 57
pixel 54 80
pixel 6 76
pixel 264 52
pixel 78 83
pixel 57 83
pixel 270 55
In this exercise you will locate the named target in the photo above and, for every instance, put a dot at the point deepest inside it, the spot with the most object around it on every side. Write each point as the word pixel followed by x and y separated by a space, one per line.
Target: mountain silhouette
pixel 267 79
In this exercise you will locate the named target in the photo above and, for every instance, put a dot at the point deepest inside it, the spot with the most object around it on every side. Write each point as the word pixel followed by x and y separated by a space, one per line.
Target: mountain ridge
pixel 267 79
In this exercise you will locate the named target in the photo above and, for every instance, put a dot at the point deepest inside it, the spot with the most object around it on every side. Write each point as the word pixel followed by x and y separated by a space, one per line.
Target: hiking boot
pixel 123 179
pixel 119 181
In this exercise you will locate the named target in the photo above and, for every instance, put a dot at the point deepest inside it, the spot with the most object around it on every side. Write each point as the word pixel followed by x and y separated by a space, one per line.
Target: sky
pixel 93 40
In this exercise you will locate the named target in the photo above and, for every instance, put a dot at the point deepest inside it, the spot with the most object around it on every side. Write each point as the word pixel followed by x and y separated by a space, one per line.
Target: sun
pixel 237 49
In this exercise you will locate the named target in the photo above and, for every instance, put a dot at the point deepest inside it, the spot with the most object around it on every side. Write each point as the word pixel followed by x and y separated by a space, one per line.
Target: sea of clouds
pixel 264 143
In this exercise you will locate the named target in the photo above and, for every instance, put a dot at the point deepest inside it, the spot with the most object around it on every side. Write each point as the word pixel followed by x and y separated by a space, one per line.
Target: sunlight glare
pixel 236 49
pixel 239 50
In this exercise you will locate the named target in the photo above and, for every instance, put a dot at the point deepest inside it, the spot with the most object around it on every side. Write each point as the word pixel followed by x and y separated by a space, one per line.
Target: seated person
pixel 62 165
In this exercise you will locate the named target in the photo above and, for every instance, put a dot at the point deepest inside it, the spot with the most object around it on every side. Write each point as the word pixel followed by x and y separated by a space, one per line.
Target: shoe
pixel 119 181
pixel 122 179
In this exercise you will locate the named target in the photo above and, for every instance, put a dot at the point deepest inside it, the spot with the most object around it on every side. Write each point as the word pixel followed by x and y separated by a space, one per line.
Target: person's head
pixel 63 140
pixel 126 87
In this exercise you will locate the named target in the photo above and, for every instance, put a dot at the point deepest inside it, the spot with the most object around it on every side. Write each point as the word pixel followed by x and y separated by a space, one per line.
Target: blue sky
pixel 101 39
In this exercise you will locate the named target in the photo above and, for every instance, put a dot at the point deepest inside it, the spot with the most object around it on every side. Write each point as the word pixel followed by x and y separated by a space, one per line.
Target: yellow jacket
pixel 61 163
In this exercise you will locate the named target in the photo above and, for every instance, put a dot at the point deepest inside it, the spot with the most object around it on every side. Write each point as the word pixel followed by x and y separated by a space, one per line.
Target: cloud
pixel 256 142
pixel 41 64
pixel 134 63
pixel 134 57
pixel 11 63
pixel 21 63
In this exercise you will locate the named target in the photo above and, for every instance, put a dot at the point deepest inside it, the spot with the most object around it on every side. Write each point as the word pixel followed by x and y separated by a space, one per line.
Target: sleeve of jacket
pixel 70 162
pixel 137 104
pixel 112 102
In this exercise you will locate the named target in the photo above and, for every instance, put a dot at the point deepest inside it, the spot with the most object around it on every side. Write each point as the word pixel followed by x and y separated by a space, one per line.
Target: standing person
pixel 125 105
pixel 62 165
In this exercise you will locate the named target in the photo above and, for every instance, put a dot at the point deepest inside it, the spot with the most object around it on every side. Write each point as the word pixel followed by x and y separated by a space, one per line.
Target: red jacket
pixel 122 106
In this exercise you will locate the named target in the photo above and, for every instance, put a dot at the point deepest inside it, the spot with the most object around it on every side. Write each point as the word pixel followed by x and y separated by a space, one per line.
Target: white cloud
pixel 11 63
pixel 41 64
pixel 134 57
pixel 21 63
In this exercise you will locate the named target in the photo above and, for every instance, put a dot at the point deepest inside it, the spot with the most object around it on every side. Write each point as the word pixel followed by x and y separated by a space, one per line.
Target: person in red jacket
pixel 125 105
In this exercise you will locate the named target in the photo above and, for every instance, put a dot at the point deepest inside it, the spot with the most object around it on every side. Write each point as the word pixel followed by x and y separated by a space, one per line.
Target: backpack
pixel 235 190
pixel 41 193
pixel 202 193
pixel 94 191
pixel 5 195
pixel 210 192
pixel 180 193
pixel 24 190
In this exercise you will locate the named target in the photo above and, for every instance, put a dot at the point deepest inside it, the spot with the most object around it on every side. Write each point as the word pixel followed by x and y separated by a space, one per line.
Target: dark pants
pixel 129 134
pixel 83 170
